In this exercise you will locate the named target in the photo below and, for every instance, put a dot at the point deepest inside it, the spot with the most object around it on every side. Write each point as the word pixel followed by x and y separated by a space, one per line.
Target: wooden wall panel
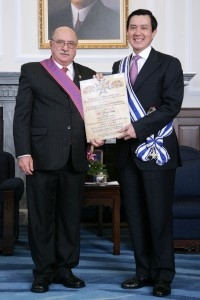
pixel 187 126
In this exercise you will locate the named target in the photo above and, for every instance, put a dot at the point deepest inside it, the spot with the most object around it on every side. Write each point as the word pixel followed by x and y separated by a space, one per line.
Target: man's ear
pixel 154 33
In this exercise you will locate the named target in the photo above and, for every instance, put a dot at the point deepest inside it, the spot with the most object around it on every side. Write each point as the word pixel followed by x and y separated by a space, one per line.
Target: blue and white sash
pixel 153 147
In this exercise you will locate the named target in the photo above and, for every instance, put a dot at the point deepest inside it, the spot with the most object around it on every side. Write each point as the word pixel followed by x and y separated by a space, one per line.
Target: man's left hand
pixel 127 133
pixel 97 143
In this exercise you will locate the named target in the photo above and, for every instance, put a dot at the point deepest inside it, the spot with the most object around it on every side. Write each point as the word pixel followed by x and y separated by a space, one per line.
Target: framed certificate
pixel 105 106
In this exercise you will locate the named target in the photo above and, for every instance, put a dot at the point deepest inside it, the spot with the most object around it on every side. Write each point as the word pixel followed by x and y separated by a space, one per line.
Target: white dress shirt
pixel 143 57
pixel 82 13
pixel 70 71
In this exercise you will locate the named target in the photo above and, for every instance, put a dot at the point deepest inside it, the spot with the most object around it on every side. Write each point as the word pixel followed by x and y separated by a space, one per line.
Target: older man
pixel 50 144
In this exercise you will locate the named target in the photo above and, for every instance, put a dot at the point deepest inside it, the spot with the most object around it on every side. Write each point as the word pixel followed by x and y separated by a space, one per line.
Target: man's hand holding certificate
pixel 105 106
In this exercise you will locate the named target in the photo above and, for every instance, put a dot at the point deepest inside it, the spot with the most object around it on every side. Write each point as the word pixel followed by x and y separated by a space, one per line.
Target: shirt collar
pixel 145 53
pixel 82 12
pixel 70 67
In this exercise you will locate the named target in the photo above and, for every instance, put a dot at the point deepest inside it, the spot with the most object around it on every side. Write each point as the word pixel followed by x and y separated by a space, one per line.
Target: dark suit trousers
pixel 147 198
pixel 54 205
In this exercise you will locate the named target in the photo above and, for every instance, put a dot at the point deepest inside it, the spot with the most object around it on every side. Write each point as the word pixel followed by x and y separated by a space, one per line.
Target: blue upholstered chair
pixel 186 206
pixel 11 192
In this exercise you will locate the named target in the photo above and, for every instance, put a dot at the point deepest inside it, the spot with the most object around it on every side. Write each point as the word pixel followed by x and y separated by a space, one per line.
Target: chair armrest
pixel 8 223
pixel 14 184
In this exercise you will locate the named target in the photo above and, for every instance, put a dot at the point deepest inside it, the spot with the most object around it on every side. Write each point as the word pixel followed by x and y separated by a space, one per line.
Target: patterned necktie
pixel 64 69
pixel 134 69
pixel 78 24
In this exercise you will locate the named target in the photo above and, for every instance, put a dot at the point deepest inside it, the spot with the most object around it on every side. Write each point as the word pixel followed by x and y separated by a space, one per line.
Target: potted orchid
pixel 96 165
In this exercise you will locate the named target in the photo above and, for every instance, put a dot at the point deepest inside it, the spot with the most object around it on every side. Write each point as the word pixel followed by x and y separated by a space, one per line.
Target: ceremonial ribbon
pixel 65 82
pixel 153 147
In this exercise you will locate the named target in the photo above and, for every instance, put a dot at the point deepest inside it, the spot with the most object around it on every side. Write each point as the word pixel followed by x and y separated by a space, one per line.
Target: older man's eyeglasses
pixel 61 43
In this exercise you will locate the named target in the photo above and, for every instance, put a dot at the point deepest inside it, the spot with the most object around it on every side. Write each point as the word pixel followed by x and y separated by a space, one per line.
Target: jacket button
pixel 68 127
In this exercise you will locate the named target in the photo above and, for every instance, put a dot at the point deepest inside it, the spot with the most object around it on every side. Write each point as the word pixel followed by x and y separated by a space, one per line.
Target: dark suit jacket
pixel 46 121
pixel 101 22
pixel 159 84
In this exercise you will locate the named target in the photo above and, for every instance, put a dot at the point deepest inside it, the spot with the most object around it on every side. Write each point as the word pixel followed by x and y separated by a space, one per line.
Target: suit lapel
pixel 151 64
pixel 68 16
pixel 77 75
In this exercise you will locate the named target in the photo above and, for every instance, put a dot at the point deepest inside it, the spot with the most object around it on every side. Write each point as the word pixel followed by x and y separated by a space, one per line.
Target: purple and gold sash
pixel 65 82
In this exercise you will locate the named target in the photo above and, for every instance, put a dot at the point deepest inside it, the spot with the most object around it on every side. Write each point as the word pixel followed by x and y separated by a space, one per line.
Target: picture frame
pixel 107 35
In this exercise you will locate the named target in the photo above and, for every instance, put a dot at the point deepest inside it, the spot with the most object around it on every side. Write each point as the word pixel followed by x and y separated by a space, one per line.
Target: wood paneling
pixel 187 127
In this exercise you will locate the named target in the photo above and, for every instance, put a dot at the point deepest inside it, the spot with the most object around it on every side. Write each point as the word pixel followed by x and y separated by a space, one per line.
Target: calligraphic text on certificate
pixel 105 106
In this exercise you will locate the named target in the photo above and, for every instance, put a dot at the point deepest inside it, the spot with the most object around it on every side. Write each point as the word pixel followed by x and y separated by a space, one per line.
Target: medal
pixel 153 154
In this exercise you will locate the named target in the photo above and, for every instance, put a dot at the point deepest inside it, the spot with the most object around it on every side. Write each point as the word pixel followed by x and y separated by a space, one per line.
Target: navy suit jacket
pixel 159 84
pixel 47 124
pixel 100 23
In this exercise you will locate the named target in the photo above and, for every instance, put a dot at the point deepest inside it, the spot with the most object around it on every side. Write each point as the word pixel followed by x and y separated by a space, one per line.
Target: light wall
pixel 178 23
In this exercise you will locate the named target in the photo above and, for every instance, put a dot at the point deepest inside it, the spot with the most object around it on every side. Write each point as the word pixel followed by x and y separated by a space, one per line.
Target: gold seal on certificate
pixel 105 106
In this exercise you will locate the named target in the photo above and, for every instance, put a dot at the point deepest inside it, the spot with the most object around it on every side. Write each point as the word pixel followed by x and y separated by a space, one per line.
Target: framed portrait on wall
pixel 100 24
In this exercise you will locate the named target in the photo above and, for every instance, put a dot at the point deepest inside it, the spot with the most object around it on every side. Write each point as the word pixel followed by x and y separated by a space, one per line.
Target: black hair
pixel 143 12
